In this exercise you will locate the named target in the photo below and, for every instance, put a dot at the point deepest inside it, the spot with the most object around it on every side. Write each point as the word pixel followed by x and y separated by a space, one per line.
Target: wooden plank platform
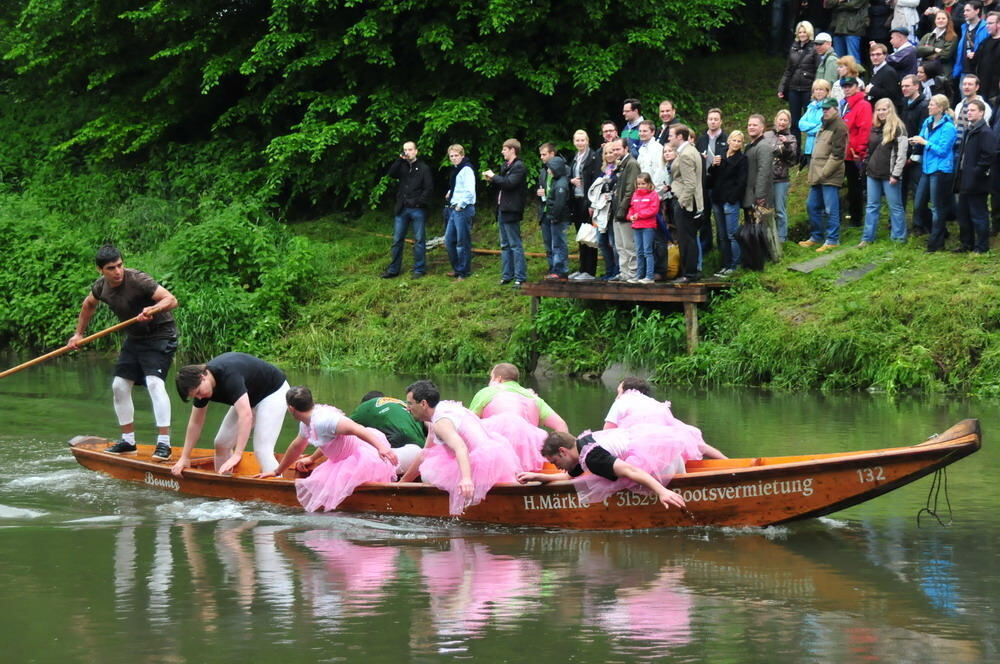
pixel 619 292
pixel 689 294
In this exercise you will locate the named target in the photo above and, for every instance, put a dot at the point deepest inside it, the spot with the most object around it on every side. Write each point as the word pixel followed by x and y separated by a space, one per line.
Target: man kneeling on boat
pixel 636 405
pixel 461 457
pixel 354 454
pixel 640 459
pixel 254 390
pixel 505 395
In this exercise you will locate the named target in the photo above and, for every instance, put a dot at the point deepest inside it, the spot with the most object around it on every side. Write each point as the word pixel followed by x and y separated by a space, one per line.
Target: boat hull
pixel 737 492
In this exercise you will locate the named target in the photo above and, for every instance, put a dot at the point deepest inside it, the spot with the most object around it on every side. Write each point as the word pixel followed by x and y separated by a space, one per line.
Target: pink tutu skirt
pixel 526 440
pixel 491 461
pixel 350 462
pixel 514 404
pixel 656 449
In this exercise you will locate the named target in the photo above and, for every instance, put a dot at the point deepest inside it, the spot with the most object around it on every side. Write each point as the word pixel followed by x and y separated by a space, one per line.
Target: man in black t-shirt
pixel 254 390
pixel 149 345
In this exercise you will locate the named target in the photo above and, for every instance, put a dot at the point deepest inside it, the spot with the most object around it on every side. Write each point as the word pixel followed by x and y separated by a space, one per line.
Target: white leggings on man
pixel 121 389
pixel 268 416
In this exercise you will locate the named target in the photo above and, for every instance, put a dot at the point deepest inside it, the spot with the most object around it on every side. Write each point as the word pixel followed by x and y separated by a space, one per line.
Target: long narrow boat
pixel 758 491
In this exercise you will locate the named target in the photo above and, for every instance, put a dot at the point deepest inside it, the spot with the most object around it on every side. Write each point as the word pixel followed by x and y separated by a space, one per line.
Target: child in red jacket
pixel 642 213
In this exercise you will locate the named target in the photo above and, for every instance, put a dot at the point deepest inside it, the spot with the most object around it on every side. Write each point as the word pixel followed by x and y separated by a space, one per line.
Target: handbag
pixel 587 235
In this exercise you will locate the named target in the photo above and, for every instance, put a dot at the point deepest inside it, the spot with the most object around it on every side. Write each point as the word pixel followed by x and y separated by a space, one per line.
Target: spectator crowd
pixel 887 103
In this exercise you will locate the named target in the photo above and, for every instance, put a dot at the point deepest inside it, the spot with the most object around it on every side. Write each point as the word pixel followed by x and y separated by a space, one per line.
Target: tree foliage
pixel 309 99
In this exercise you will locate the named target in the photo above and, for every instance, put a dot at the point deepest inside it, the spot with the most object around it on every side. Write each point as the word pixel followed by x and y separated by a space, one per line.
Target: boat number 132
pixel 874 474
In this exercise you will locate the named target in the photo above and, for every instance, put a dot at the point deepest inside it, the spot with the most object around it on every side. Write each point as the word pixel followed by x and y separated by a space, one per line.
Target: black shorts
pixel 145 357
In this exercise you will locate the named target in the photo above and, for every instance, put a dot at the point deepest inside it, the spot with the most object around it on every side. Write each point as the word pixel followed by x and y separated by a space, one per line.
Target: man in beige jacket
pixel 826 175
pixel 688 197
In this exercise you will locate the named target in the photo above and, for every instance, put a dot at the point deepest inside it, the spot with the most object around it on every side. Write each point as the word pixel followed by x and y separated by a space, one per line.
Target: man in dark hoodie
pixel 553 189
pixel 412 198
pixel 976 155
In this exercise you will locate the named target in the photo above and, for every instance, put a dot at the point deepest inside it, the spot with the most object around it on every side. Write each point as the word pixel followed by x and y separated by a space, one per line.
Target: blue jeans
pixel 721 235
pixel 512 265
pixel 824 201
pixel 897 218
pixel 973 223
pixel 606 243
pixel 458 239
pixel 939 186
pixel 781 209
pixel 407 216
pixel 848 45
pixel 644 252
pixel 732 211
pixel 556 251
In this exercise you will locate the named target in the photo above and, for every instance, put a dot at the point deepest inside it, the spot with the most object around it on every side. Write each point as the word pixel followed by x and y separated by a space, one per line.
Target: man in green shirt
pixel 505 395
pixel 391 417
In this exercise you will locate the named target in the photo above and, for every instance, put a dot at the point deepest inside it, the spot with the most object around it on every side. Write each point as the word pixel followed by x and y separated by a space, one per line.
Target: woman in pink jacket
pixel 642 213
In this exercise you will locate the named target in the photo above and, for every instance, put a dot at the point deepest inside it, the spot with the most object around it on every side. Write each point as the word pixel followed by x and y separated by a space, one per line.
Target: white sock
pixel 163 438
pixel 129 437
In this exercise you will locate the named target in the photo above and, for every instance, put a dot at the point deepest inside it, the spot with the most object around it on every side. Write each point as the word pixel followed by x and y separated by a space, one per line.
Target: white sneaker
pixel 574 275
pixel 632 281
pixel 646 281
pixel 584 276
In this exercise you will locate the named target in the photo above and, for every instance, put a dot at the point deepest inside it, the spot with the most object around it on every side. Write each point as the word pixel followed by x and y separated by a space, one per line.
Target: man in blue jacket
pixel 973 34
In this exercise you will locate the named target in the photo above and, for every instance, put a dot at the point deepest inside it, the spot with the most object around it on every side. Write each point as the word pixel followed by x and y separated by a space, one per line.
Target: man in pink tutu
pixel 602 463
pixel 353 454
pixel 461 457
pixel 505 395
pixel 635 405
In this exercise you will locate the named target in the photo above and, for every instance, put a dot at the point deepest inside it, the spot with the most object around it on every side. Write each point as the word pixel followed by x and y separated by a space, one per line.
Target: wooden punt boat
pixel 759 491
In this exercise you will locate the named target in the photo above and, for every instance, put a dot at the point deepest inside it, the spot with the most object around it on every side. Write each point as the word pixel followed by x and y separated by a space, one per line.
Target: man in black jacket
pixel 885 79
pixel 914 114
pixel 510 210
pixel 412 198
pixel 972 182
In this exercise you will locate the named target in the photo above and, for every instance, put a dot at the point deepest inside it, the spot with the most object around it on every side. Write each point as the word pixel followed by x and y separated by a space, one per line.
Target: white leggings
pixel 268 416
pixel 121 388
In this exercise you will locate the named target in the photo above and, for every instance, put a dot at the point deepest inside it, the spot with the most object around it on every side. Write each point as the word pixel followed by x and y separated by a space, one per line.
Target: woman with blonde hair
pixel 886 158
pixel 937 135
pixel 799 73
pixel 812 120
pixel 786 156
pixel 847 66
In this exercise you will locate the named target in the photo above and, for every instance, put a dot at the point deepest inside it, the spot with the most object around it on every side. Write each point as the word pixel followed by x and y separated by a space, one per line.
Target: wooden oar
pixel 66 349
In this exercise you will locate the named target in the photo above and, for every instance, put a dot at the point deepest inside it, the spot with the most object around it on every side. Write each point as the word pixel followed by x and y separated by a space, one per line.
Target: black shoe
pixel 504 282
pixel 389 275
pixel 417 275
pixel 162 452
pixel 680 280
pixel 121 447
pixel 961 250
pixel 517 284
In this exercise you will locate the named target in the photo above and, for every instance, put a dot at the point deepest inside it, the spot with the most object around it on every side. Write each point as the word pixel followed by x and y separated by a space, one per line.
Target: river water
pixel 98 570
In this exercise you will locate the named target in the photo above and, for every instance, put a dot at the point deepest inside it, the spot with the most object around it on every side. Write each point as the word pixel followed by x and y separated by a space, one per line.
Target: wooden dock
pixel 689 294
